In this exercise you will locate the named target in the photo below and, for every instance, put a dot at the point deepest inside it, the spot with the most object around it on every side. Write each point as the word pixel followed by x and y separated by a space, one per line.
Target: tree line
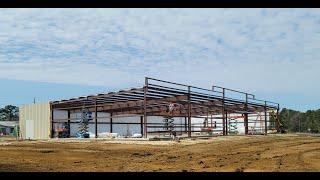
pixel 9 113
pixel 296 121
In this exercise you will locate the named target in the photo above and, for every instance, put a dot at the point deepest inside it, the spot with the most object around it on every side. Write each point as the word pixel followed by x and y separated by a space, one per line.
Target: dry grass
pixel 232 153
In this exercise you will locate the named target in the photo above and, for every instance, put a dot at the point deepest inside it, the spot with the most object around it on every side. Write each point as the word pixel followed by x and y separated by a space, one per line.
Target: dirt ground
pixel 233 153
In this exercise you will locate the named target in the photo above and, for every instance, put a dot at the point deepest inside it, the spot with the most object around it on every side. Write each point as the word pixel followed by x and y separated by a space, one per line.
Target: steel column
pixel 145 89
pixel 226 122
pixel 265 118
pixel 69 126
pixel 189 112
pixel 52 120
pixel 96 119
pixel 111 123
pixel 223 113
pixel 141 124
pixel 246 128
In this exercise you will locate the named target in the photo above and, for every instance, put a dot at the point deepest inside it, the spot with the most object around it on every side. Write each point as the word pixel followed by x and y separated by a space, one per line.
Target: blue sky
pixel 61 53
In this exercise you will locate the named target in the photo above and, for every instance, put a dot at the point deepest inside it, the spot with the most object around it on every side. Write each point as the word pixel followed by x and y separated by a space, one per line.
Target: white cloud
pixel 269 50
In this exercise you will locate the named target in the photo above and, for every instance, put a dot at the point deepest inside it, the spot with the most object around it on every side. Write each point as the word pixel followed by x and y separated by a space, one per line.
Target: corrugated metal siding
pixel 40 113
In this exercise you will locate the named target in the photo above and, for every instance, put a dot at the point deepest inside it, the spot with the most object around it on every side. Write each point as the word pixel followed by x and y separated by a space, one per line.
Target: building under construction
pixel 158 109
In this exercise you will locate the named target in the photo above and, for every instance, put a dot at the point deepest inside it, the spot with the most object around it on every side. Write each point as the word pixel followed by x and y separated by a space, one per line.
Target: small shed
pixel 7 127
pixel 35 121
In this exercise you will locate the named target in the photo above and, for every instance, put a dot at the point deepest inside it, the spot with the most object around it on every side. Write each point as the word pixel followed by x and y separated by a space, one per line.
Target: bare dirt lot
pixel 232 153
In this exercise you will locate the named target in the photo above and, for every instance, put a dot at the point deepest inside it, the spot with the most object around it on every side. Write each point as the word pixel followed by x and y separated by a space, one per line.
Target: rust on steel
pixel 153 98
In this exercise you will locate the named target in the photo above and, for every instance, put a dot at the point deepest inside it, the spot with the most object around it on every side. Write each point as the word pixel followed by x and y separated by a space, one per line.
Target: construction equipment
pixel 279 126
pixel 206 127
pixel 63 132
pixel 169 120
pixel 233 123
pixel 233 126
pixel 86 116
pixel 169 124
pixel 260 128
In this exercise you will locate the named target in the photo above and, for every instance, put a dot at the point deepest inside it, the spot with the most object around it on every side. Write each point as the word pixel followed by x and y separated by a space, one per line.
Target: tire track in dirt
pixel 304 162
pixel 250 153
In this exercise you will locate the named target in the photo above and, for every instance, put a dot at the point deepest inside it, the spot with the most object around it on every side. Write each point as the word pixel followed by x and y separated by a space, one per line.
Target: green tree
pixel 295 121
pixel 9 113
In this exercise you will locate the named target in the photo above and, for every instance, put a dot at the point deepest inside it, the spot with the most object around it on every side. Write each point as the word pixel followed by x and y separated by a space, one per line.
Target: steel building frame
pixel 153 98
